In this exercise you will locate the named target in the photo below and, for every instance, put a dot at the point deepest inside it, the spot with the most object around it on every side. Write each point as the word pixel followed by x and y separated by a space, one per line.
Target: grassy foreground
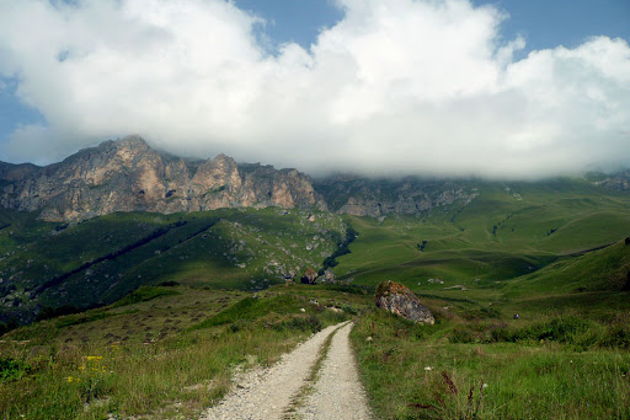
pixel 554 366
pixel 80 367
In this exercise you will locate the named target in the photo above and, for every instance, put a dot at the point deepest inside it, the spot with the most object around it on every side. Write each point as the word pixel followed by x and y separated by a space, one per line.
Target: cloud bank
pixel 403 86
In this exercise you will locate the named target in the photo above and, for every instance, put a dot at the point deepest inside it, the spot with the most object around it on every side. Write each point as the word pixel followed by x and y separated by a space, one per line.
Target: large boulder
pixel 399 300
pixel 309 277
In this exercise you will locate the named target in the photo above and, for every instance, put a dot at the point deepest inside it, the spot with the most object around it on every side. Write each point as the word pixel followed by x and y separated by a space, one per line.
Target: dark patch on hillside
pixel 343 248
pixel 108 257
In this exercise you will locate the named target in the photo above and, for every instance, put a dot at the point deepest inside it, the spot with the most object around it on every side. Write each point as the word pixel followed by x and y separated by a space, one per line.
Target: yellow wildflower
pixel 94 358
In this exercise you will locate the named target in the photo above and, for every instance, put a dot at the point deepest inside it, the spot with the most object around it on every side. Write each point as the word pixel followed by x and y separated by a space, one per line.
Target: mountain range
pixel 128 175
pixel 93 228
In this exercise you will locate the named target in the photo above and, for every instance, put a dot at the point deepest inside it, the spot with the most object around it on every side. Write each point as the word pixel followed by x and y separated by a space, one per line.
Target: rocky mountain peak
pixel 132 141
pixel 128 175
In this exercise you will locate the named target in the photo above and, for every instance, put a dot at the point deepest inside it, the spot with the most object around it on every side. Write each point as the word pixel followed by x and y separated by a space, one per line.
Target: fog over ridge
pixel 397 87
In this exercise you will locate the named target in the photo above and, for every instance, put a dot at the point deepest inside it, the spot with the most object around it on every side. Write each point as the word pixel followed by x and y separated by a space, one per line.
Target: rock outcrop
pixel 398 299
pixel 309 276
pixel 619 181
pixel 128 175
pixel 327 277
pixel 360 196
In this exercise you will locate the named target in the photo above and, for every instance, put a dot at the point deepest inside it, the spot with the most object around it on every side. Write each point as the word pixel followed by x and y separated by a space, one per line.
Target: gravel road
pixel 265 394
pixel 338 393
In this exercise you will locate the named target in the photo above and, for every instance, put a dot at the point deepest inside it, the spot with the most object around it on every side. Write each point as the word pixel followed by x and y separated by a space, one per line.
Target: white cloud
pixel 419 86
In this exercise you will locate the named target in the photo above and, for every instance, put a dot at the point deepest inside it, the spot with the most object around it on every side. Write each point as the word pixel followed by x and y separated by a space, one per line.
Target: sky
pixel 499 88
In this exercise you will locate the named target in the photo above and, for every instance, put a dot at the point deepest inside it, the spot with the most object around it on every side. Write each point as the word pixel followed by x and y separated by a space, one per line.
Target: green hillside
pixel 51 268
pixel 165 357
pixel 189 297
pixel 504 233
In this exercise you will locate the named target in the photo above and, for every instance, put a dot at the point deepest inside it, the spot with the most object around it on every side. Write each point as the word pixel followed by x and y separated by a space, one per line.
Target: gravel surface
pixel 263 394
pixel 338 393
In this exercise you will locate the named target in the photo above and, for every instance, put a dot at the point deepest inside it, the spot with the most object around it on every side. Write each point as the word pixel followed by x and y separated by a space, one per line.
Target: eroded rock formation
pixel 399 300
pixel 128 175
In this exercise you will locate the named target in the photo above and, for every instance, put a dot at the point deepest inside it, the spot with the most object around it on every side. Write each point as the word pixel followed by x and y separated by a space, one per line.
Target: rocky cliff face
pixel 616 182
pixel 128 175
pixel 368 197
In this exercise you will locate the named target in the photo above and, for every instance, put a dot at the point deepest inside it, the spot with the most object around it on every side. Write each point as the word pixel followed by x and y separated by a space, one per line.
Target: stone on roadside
pixel 400 300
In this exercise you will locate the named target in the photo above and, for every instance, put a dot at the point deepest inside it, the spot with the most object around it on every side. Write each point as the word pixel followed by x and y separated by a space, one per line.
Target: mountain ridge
pixel 129 175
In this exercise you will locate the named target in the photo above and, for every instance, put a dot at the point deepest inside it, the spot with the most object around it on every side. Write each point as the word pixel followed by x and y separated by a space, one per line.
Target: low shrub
pixel 169 283
pixel 349 310
pixel 482 313
pixel 145 293
pixel 311 323
pixel 349 288
pixel 11 369
pixel 80 319
pixel 7 326
pixel 464 335
pixel 566 330
pixel 616 336
pixel 251 308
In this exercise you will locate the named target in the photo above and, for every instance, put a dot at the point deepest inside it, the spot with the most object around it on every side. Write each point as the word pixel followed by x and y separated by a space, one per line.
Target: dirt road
pixel 267 394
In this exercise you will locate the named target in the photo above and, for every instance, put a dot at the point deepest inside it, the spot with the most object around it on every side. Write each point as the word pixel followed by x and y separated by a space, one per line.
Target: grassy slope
pixel 45 264
pixel 405 367
pixel 601 270
pixel 497 237
pixel 169 356
pixel 566 357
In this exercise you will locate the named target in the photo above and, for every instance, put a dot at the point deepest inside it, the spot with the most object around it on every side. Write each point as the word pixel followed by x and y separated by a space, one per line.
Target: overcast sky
pixel 440 87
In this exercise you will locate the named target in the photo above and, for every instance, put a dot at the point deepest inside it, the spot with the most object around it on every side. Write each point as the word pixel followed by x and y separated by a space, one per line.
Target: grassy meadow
pixel 558 261
pixel 165 357
pixel 554 368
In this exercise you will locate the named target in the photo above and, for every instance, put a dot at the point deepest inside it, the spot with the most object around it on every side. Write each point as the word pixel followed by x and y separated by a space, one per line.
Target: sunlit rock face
pixel 128 175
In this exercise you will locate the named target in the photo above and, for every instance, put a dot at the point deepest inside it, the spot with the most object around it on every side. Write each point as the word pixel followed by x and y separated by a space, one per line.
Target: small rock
pixel 302 310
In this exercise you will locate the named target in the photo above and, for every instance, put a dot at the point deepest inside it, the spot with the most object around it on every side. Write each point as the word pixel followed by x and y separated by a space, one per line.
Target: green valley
pixel 181 300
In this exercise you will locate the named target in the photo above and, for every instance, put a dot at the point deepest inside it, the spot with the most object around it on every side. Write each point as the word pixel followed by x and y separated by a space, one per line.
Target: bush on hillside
pixel 11 369
pixel 311 323
pixel 566 330
pixel 145 293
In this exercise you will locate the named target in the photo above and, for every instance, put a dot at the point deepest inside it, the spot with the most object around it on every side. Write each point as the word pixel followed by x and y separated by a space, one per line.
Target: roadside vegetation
pixel 166 357
pixel 526 355
pixel 494 367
